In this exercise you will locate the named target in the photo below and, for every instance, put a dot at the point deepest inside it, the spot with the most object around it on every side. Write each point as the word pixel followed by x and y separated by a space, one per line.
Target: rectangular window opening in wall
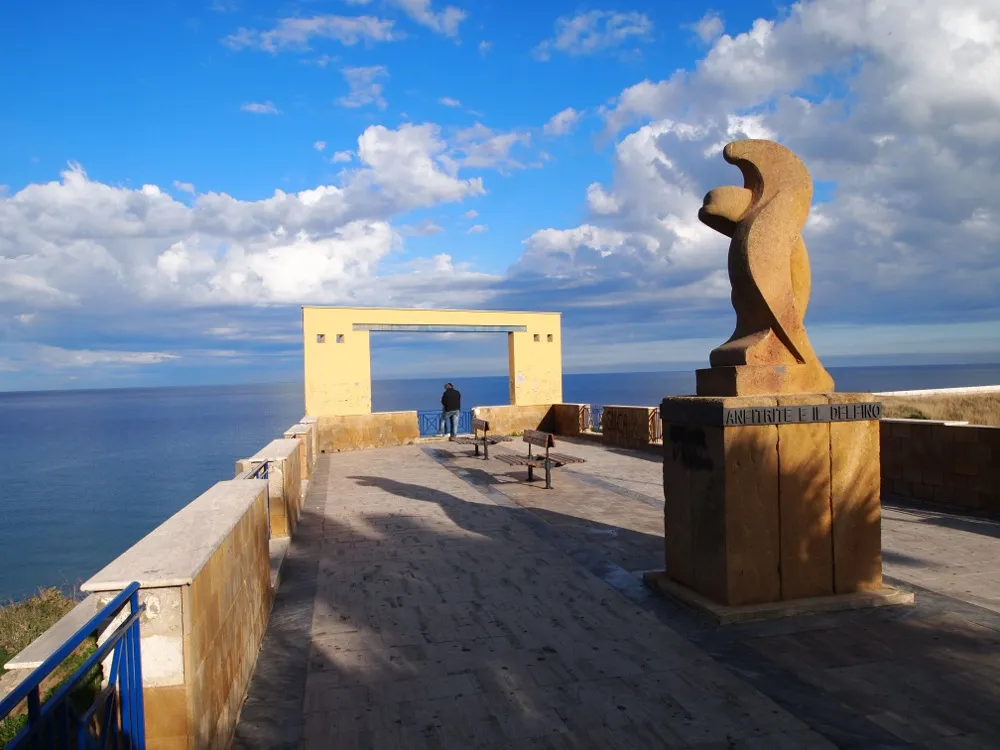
pixel 340 338
pixel 549 338
pixel 537 337
pixel 320 338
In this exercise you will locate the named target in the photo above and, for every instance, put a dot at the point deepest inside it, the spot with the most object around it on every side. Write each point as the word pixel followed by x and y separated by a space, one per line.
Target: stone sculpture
pixel 769 352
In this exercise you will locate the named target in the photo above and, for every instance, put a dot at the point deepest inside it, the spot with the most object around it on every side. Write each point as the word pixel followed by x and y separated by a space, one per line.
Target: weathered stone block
pixel 804 489
pixel 766 512
pixel 363 431
pixel 569 419
pixel 629 426
pixel 510 420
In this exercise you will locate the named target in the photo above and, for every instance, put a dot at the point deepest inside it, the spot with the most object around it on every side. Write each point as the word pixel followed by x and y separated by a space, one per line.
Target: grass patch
pixel 979 408
pixel 20 624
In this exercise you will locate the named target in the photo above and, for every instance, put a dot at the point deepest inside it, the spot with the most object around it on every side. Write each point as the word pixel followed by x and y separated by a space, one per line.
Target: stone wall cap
pixel 363 416
pixel 309 420
pixel 276 450
pixel 298 429
pixel 174 552
pixel 964 390
pixel 40 649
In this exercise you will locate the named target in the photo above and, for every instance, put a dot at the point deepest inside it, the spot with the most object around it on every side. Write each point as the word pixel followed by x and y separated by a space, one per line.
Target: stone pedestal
pixel 772 498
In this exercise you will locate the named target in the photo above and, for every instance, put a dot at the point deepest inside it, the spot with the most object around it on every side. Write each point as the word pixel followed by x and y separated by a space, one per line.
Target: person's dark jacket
pixel 451 400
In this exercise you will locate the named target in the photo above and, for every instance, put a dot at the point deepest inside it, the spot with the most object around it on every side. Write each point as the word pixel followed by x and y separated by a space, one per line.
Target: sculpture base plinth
pixel 772 498
pixel 886 596
pixel 754 380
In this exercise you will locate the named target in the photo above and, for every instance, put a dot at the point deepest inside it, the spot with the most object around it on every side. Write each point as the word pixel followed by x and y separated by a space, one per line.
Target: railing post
pixel 140 705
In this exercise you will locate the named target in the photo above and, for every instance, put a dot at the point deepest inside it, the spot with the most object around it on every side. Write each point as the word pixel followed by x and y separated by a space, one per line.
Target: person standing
pixel 451 407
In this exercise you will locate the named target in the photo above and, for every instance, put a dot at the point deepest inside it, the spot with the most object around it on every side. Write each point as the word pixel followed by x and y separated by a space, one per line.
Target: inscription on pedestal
pixel 764 415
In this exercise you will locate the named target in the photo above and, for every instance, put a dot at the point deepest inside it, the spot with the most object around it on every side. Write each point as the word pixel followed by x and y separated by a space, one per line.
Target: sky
pixel 178 178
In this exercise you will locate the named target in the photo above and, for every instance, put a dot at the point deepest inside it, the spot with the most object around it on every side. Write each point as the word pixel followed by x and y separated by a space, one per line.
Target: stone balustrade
pixel 284 481
pixel 204 577
pixel 511 420
pixel 365 431
pixel 634 427
pixel 570 420
pixel 208 576
pixel 306 435
pixel 951 463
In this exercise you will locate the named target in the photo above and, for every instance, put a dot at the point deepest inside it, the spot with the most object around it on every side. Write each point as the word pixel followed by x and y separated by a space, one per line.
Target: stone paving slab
pixel 436 600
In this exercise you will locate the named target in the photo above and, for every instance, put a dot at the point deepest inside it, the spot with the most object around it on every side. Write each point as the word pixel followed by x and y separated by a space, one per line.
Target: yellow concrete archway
pixel 337 352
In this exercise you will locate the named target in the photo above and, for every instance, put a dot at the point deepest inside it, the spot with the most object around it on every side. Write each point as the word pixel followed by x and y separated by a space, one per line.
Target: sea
pixel 86 474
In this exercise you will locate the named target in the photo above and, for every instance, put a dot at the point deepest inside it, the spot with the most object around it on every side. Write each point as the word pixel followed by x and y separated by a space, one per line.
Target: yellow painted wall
pixel 338 375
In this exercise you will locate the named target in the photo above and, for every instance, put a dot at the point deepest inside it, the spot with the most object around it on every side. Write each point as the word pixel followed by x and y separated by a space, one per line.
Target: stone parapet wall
pixel 364 431
pixel 205 582
pixel 305 433
pixel 284 477
pixel 570 419
pixel 228 604
pixel 512 420
pixel 631 427
pixel 950 463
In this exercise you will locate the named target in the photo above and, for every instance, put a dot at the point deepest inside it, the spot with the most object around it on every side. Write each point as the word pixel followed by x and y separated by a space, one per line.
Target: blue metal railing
pixel 431 422
pixel 596 417
pixel 257 472
pixel 116 717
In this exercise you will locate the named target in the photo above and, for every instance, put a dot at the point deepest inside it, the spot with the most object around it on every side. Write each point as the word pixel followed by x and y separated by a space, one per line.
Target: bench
pixel 481 425
pixel 539 439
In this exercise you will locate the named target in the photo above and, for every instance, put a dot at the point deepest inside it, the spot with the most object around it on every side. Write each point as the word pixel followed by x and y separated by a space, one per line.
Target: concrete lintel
pixel 416 328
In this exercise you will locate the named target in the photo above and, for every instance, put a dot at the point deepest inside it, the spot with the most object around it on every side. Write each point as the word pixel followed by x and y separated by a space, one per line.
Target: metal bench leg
pixel 486 449
pixel 548 474
pixel 531 473
pixel 476 446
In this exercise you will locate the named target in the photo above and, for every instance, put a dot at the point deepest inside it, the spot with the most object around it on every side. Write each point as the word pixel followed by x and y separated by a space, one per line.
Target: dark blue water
pixel 88 473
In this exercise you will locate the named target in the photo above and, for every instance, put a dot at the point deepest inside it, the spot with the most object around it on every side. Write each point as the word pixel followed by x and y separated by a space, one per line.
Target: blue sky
pixel 177 178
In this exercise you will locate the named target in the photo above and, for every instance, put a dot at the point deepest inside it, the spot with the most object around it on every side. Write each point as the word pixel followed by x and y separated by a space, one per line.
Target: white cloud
pixel 261 108
pixel 53 356
pixel 321 61
pixel 184 187
pixel 446 21
pixel 477 229
pixel 485 47
pixel 470 214
pixel 296 33
pixel 319 145
pixel 449 102
pixel 25 318
pixel 78 242
pixel 426 228
pixel 341 157
pixel 482 147
pixel 563 122
pixel 594 32
pixel 364 86
pixel 709 27
pixel 901 133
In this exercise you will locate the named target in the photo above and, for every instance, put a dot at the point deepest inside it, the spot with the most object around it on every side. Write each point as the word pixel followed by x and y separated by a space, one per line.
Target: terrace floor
pixel 433 600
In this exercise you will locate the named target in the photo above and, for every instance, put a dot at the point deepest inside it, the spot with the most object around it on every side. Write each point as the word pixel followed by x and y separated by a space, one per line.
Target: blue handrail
pixel 258 472
pixel 54 723
pixel 430 422
pixel 596 418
